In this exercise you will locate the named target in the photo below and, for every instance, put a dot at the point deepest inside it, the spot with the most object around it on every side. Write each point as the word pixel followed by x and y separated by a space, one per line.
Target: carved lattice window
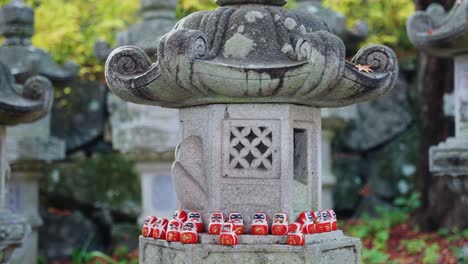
pixel 250 147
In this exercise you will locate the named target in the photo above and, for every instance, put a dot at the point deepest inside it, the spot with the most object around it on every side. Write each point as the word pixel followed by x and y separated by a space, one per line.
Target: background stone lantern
pixel 445 34
pixel 30 146
pixel 249 79
pixel 148 134
pixel 17 105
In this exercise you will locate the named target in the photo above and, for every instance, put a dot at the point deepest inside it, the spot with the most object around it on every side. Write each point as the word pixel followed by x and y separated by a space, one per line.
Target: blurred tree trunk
pixel 434 79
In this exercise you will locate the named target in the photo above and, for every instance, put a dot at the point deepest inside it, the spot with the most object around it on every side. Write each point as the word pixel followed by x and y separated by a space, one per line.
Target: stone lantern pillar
pixel 29 147
pixel 147 134
pixel 445 34
pixel 333 119
pixel 249 79
pixel 32 103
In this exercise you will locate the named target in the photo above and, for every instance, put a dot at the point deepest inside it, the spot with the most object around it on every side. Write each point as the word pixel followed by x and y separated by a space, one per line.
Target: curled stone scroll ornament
pixel 381 58
pixel 131 66
pixel 32 103
pixel 37 88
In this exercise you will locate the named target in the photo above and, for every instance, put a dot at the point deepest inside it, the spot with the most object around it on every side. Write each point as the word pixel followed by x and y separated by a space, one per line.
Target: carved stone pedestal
pixel 319 249
pixel 249 158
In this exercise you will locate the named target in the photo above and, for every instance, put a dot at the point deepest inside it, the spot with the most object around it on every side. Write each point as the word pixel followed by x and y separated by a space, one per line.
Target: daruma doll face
pixel 194 217
pixel 260 218
pixel 217 217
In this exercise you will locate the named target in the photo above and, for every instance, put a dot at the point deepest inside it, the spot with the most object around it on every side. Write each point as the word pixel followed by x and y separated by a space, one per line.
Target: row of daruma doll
pixel 185 226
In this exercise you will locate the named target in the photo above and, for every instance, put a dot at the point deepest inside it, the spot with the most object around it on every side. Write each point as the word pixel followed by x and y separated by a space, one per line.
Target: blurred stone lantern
pixel 147 134
pixel 18 104
pixel 445 34
pixel 29 147
pixel 334 119
pixel 249 79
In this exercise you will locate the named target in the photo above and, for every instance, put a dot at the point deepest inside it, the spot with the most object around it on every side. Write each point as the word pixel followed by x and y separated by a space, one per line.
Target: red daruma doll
pixel 259 225
pixel 317 218
pixel 173 230
pixel 195 217
pixel 148 226
pixel 228 236
pixel 280 224
pixel 159 231
pixel 326 221
pixel 216 222
pixel 307 222
pixel 189 234
pixel 238 221
pixel 295 235
pixel 180 215
pixel 334 220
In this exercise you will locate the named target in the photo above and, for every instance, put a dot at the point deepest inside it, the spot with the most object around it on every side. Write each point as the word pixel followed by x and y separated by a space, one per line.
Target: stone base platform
pixel 450 158
pixel 326 248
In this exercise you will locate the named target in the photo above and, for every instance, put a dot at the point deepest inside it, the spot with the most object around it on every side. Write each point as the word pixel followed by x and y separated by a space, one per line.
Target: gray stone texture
pixel 257 54
pixel 320 249
pixel 238 157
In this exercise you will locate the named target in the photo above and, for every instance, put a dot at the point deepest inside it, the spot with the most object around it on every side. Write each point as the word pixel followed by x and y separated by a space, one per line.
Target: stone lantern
pixel 334 119
pixel 147 134
pixel 445 34
pixel 29 147
pixel 18 105
pixel 249 79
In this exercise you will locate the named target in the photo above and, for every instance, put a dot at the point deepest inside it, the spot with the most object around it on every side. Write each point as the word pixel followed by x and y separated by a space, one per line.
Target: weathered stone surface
pixel 322 248
pixel 250 54
pixel 438 32
pixel 237 157
pixel 450 157
pixel 206 239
